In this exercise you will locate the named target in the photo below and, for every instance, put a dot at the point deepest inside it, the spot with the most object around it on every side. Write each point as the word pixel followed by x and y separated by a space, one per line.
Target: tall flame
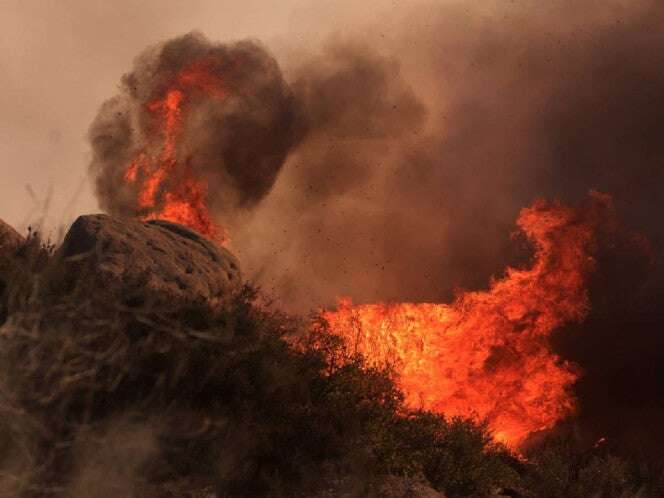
pixel 167 189
pixel 487 354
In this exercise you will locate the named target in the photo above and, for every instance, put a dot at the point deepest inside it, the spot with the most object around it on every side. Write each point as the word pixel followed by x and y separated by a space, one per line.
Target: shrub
pixel 560 468
pixel 100 399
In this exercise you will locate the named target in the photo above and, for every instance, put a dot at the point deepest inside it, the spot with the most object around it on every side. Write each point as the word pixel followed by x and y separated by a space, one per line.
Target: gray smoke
pixel 335 223
pixel 237 143
pixel 417 163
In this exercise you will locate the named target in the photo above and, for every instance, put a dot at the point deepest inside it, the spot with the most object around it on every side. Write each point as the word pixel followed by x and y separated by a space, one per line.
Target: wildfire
pixel 487 354
pixel 166 187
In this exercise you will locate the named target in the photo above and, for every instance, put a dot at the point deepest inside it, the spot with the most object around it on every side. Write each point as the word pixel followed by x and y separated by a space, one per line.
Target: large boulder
pixel 405 487
pixel 10 241
pixel 390 486
pixel 154 264
pixel 119 324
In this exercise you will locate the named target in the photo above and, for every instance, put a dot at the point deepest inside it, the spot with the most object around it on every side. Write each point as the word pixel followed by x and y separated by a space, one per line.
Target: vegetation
pixel 559 469
pixel 103 400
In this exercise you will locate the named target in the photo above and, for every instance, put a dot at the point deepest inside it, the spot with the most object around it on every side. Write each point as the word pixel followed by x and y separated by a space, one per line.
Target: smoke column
pixel 192 116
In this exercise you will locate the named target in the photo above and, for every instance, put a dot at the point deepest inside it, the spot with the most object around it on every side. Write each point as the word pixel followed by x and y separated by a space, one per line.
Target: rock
pixel 143 265
pixel 404 487
pixel 10 240
pixel 387 486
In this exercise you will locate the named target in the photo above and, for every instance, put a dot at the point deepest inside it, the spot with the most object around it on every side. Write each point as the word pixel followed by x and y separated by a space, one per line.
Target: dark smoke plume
pixel 334 224
pixel 416 164
pixel 237 144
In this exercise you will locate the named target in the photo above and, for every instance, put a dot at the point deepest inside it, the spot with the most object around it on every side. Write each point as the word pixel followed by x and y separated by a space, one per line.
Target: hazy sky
pixel 60 60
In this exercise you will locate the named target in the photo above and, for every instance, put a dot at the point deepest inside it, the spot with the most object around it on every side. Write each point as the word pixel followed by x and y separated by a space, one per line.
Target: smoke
pixel 554 104
pixel 422 159
pixel 236 144
pixel 505 104
pixel 109 464
pixel 401 162
pixel 329 226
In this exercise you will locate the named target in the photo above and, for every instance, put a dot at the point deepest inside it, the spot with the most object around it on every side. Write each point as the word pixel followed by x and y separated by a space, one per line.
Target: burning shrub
pixel 100 400
pixel 233 407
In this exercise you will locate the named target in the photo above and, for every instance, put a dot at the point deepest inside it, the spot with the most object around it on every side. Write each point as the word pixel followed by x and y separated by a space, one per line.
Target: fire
pixel 487 354
pixel 166 187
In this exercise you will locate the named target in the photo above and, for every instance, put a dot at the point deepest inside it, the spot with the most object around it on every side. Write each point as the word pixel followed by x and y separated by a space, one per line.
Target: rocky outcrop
pixel 154 264
pixel 404 487
pixel 387 486
pixel 10 241
pixel 123 322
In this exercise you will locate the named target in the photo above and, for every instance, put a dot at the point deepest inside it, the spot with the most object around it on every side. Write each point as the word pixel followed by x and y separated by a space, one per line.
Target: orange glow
pixel 166 188
pixel 487 354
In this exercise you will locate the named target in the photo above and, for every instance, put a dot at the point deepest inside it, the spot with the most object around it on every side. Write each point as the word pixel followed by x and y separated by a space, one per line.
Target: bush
pixel 256 403
pixel 560 468
pixel 101 400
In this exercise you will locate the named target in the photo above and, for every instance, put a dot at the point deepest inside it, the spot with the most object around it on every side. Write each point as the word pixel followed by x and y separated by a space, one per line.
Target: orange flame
pixel 167 189
pixel 487 354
